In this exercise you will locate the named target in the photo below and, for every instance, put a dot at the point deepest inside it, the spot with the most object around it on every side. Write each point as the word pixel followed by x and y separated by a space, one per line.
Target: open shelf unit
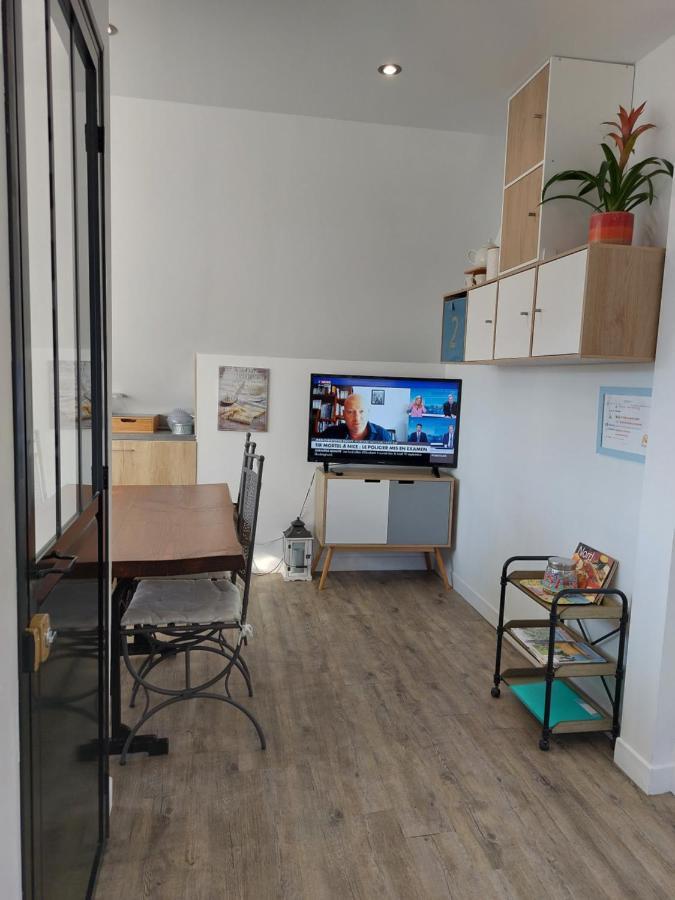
pixel 546 690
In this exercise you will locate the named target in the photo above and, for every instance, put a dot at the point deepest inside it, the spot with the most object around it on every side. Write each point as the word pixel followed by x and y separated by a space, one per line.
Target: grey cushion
pixel 195 601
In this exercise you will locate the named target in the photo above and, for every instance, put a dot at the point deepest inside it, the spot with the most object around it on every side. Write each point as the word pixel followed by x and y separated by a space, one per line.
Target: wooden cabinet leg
pixel 316 559
pixel 440 565
pixel 326 568
pixel 427 559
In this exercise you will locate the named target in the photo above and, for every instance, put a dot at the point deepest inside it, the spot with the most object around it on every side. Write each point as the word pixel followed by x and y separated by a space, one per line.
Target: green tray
pixel 566 704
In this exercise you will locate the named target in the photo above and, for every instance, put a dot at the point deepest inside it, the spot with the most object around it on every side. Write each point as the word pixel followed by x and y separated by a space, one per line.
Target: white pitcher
pixel 479 257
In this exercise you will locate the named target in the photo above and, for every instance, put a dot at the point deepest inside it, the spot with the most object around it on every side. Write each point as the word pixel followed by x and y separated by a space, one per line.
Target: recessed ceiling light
pixel 389 69
pixel 112 29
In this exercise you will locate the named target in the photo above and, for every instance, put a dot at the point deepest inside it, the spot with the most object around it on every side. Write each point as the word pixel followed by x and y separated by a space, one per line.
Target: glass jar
pixel 561 573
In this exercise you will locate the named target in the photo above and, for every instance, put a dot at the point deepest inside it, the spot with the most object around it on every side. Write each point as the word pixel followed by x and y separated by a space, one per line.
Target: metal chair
pixel 249 452
pixel 166 648
pixel 184 616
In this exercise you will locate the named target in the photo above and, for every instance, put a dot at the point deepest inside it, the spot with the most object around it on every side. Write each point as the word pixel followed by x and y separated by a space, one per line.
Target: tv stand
pixel 435 471
pixel 379 510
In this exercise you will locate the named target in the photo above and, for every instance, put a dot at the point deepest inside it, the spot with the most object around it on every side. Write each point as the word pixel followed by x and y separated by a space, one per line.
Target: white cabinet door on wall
pixel 357 512
pixel 559 305
pixel 480 323
pixel 514 315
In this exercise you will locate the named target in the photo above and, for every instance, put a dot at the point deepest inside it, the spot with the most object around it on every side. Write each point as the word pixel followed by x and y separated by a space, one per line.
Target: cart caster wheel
pixel 544 744
pixel 495 691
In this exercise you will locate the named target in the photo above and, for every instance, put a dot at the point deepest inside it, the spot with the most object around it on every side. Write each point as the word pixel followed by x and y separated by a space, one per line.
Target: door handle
pixel 40 637
pixel 524 313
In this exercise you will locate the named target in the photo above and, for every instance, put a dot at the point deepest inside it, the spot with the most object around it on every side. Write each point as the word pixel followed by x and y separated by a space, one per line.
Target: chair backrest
pixel 249 448
pixel 247 519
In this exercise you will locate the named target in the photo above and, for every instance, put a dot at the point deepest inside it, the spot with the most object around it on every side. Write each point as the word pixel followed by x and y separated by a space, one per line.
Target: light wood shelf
pixel 598 303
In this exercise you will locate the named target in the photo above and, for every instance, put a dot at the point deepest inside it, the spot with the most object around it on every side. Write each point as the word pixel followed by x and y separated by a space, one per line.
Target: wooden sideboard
pixel 157 460
pixel 373 510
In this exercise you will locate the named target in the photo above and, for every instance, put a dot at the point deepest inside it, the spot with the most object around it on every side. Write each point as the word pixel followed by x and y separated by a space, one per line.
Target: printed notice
pixel 625 424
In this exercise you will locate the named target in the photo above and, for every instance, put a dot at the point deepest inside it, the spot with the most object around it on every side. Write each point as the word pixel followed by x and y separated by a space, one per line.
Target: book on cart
pixel 594 570
pixel 535 586
pixel 567 647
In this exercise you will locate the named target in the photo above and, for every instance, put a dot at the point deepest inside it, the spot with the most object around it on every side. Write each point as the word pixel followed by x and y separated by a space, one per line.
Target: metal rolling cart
pixel 549 692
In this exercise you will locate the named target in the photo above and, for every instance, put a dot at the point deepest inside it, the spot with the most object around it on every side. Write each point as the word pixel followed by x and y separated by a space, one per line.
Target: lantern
pixel 297 552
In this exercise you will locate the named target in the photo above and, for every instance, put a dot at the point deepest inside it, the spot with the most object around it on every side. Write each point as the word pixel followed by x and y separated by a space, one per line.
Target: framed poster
pixel 454 326
pixel 242 398
pixel 623 422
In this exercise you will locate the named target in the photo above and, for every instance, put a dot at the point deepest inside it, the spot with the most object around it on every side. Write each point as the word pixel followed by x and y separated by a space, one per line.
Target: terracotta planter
pixel 611 228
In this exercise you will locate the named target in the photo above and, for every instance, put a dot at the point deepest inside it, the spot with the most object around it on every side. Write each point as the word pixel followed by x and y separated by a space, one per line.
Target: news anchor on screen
pixel 449 438
pixel 450 406
pixel 356 426
pixel 418 436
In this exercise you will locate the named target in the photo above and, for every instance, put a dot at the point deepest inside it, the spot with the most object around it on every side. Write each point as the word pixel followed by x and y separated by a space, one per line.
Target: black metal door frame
pixel 78 14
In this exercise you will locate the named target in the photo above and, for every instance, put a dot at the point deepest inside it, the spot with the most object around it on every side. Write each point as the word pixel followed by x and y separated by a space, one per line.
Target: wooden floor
pixel 390 771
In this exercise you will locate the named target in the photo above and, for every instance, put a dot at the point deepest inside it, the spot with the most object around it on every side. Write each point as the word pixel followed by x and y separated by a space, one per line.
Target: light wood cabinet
pixel 598 303
pixel 154 462
pixel 526 135
pixel 520 220
pixel 480 323
pixel 515 305
pixel 555 122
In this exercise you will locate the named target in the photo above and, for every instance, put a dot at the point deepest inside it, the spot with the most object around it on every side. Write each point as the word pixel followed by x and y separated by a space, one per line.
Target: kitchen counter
pixel 152 436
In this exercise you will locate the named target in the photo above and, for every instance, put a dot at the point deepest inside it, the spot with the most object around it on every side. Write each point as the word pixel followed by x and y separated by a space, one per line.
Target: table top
pixel 173 530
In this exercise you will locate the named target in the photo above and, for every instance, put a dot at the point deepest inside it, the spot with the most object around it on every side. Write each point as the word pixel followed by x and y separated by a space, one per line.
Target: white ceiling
pixel 460 58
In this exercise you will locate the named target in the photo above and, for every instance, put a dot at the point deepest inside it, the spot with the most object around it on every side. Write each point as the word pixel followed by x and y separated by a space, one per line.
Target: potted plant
pixel 616 189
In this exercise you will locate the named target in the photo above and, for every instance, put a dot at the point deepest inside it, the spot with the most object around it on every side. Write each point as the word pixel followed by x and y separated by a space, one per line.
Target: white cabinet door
pixel 514 315
pixel 480 323
pixel 558 310
pixel 357 512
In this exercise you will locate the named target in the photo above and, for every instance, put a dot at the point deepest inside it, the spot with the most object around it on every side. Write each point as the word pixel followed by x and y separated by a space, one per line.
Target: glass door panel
pixel 64 262
pixel 56 168
pixel 41 320
pixel 81 74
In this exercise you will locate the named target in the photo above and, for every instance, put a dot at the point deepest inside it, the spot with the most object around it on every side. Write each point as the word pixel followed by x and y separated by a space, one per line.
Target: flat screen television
pixel 391 421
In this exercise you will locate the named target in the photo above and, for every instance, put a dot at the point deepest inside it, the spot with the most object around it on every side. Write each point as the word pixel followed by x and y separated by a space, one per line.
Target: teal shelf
pixel 568 706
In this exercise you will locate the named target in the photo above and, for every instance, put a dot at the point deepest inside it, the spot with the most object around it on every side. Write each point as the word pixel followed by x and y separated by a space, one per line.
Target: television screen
pixel 399 421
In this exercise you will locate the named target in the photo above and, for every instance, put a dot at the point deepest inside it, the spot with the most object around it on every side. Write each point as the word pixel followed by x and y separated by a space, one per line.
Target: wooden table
pixel 163 530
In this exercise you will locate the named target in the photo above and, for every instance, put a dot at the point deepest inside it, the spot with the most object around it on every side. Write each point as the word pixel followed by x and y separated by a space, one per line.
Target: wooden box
pixel 135 424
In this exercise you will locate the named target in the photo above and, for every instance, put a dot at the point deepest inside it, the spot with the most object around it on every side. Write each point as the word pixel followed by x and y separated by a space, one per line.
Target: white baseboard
pixel 650 779
pixel 480 604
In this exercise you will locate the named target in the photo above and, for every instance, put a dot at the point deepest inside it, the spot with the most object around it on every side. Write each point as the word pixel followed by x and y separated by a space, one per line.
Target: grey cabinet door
pixel 419 513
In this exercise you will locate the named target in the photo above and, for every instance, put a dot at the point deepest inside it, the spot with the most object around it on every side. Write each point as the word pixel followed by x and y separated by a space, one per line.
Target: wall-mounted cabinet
pixel 555 123
pixel 513 332
pixel 481 316
pixel 598 303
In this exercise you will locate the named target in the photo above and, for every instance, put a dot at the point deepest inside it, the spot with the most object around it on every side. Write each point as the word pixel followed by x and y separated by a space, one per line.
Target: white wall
pixel 256 233
pixel 530 480
pixel 286 474
pixel 654 78
pixel 10 822
pixel 646 749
